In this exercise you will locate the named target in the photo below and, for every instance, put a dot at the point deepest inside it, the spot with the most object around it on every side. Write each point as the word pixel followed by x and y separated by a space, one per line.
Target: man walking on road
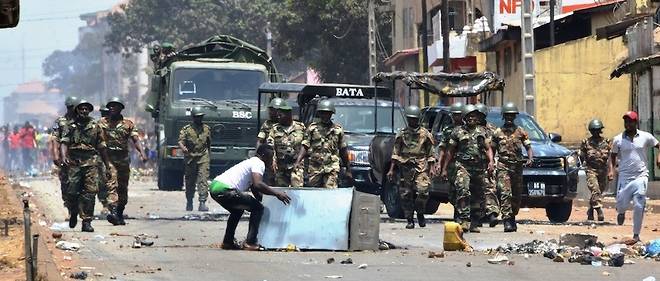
pixel 117 131
pixel 230 190
pixel 59 130
pixel 195 142
pixel 286 138
pixel 413 156
pixel 81 147
pixel 456 110
pixel 595 151
pixel 631 147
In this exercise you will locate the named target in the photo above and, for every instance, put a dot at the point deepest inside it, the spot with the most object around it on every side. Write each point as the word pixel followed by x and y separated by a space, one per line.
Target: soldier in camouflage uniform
pixel 509 139
pixel 325 144
pixel 195 142
pixel 413 157
pixel 118 131
pixel 470 146
pixel 59 129
pixel 456 111
pixel 102 195
pixel 286 138
pixel 262 136
pixel 595 151
pixel 490 204
pixel 81 145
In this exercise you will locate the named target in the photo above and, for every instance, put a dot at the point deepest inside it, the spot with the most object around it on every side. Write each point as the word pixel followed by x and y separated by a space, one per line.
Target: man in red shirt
pixel 14 149
pixel 28 144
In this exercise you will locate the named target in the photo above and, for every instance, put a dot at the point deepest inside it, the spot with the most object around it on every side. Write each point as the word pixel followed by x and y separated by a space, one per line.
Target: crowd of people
pixel 24 149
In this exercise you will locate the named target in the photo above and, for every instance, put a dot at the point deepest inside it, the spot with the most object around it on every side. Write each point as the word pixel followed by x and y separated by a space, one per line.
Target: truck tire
pixel 432 206
pixel 391 199
pixel 559 212
pixel 170 180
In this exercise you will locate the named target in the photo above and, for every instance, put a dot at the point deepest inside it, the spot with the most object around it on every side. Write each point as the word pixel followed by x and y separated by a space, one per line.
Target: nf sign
pixel 509 6
pixel 509 12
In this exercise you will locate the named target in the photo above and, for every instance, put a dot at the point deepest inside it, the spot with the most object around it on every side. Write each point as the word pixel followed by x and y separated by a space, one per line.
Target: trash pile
pixel 584 249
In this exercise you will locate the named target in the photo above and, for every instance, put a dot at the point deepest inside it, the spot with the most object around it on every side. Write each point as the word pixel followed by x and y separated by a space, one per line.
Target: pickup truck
pixel 550 182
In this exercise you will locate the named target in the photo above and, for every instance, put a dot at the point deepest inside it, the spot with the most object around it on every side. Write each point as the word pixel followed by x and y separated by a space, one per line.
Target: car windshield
pixel 216 84
pixel 524 121
pixel 356 119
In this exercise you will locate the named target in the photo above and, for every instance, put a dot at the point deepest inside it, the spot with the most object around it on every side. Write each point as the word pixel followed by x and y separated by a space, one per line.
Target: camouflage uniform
pixel 414 155
pixel 84 139
pixel 471 177
pixel 59 129
pixel 197 140
pixel 595 152
pixel 117 134
pixel 451 166
pixel 323 142
pixel 287 141
pixel 490 204
pixel 509 140
pixel 266 127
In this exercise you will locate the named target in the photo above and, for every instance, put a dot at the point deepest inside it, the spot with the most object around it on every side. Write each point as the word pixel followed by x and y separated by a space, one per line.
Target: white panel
pixel 316 219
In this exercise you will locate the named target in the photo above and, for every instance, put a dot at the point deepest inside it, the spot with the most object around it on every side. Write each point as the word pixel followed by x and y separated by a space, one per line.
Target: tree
pixel 77 72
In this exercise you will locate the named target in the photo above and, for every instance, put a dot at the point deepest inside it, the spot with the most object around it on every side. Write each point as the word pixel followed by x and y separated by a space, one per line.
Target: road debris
pixel 605 273
pixel 581 240
pixel 347 261
pixel 334 276
pixel 433 255
pixel 384 245
pixel 469 264
pixel 363 266
pixel 330 260
pixel 653 248
pixel 498 259
pixel 650 278
pixel 80 275
pixel 57 235
pixel 67 246
pixel 141 240
pixel 59 226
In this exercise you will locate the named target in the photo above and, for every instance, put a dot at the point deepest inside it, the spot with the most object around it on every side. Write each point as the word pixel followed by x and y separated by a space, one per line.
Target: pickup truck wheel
pixel 432 206
pixel 391 199
pixel 559 211
pixel 170 180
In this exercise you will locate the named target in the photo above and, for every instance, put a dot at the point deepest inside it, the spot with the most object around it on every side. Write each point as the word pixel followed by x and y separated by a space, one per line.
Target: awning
pixel 400 55
pixel 637 65
pixel 447 84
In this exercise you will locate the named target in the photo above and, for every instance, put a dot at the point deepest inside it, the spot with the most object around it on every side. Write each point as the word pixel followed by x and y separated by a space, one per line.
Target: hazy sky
pixel 45 26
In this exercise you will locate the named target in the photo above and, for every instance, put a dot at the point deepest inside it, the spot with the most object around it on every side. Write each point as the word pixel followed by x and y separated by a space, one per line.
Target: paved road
pixel 187 249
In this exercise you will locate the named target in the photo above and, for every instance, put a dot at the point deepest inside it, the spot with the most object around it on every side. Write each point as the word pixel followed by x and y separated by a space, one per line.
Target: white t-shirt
pixel 633 154
pixel 240 175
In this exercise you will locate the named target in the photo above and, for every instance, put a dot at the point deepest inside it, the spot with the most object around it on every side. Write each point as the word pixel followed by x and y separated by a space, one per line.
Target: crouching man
pixel 230 190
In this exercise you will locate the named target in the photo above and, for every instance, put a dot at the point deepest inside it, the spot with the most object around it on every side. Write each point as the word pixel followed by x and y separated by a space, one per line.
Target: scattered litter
pixel 581 240
pixel 362 266
pixel 615 248
pixel 558 258
pixel 597 263
pixel 330 260
pixel 66 258
pixel 628 262
pixel 605 273
pixel 469 264
pixel 81 275
pixel 384 245
pixel 433 255
pixel 57 235
pixel 59 226
pixel 526 256
pixel 292 248
pixel 653 248
pixel 334 276
pixel 141 240
pixel 153 217
pixel 533 247
pixel 67 246
pixel 42 223
pixel 99 237
pixel 98 274
pixel 498 259
pixel 618 260
pixel 347 261
pixel 510 263
pixel 650 278
pixel 87 268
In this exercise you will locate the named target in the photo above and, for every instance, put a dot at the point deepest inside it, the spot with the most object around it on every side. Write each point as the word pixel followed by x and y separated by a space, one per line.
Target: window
pixel 216 84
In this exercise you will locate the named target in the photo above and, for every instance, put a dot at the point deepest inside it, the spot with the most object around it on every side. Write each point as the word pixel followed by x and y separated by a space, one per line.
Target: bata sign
pixel 348 92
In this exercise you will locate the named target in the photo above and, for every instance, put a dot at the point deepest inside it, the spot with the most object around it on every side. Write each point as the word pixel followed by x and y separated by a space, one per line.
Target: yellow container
pixel 454 237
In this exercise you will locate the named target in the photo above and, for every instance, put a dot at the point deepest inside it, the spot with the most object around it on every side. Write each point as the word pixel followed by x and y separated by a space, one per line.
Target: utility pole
pixel 372 41
pixel 527 41
pixel 552 23
pixel 425 48
pixel 269 40
pixel 444 26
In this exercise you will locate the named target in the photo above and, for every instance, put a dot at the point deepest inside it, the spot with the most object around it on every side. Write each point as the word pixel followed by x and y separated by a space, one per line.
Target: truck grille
pixel 233 133
pixel 547 163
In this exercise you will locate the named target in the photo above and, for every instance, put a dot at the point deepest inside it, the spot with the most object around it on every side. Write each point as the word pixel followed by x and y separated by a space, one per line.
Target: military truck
pixel 221 75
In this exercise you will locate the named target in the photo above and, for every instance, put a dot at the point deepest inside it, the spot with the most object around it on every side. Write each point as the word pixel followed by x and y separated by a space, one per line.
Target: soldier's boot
pixel 73 218
pixel 120 216
pixel 601 216
pixel 411 224
pixel 112 216
pixel 508 225
pixel 189 205
pixel 590 214
pixel 492 220
pixel 202 207
pixel 87 226
pixel 421 220
pixel 474 224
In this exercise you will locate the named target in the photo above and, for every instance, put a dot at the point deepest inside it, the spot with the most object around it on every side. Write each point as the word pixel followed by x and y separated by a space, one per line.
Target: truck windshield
pixel 524 121
pixel 216 84
pixel 358 119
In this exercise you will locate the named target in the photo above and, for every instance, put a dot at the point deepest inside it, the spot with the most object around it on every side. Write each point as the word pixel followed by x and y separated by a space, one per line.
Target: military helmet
pixel 85 102
pixel 70 101
pixel 326 105
pixel 167 45
pixel 467 109
pixel 456 107
pixel 510 107
pixel 115 100
pixel 197 111
pixel 275 103
pixel 284 106
pixel 412 111
pixel 595 124
pixel 482 108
